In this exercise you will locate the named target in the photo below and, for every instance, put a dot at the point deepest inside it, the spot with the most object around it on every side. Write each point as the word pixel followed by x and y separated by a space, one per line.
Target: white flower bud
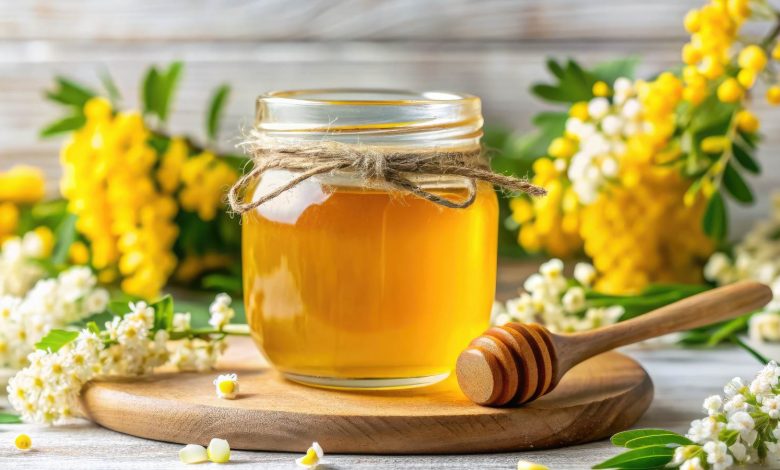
pixel 193 453
pixel 598 108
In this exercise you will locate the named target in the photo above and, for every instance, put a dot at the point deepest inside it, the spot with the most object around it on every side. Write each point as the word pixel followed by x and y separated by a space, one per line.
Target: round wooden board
pixel 599 397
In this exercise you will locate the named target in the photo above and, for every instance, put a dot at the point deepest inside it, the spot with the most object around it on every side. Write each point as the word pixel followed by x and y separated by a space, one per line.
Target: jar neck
pixel 384 118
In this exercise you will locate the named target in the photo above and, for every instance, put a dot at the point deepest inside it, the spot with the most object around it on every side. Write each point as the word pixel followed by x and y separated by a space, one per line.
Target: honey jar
pixel 351 282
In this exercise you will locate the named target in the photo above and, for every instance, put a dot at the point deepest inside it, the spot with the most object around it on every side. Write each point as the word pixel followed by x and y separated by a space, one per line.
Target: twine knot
pixel 382 164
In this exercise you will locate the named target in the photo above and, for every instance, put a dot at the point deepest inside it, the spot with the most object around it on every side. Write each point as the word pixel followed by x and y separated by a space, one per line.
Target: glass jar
pixel 351 285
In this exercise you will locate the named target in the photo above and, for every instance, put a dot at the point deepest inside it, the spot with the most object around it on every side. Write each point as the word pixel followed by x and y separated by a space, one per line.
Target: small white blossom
pixel 574 299
pixel 739 451
pixel 551 299
pixel 181 321
pixel 226 386
pixel 734 387
pixel 705 429
pixel 692 464
pixel 598 107
pixel 764 326
pixel 734 404
pixel 96 301
pixel 49 303
pixel 612 125
pixel 193 453
pixel 221 312
pixel 218 450
pixel 47 389
pixel 585 274
pixel 712 404
pixel 771 406
pixel 312 458
pixel 717 455
pixel 742 421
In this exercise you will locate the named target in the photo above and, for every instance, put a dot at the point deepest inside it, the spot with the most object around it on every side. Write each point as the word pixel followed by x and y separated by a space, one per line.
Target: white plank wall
pixel 493 48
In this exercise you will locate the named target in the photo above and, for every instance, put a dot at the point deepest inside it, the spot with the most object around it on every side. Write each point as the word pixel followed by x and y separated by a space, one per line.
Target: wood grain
pixel 682 378
pixel 599 397
pixel 145 20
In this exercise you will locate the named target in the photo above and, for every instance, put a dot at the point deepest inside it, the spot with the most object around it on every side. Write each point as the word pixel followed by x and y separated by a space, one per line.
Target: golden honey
pixel 349 285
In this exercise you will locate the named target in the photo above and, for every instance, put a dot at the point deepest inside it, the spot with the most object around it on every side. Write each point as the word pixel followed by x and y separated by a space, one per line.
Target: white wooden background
pixel 493 48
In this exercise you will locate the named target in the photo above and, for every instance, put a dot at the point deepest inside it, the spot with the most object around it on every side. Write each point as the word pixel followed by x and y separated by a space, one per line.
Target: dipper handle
pixel 517 363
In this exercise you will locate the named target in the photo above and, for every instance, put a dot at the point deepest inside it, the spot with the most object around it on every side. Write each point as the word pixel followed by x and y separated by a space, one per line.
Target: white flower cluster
pixel 756 257
pixel 742 426
pixel 557 302
pixel 49 304
pixel 602 139
pixel 18 269
pixel 199 354
pixel 47 390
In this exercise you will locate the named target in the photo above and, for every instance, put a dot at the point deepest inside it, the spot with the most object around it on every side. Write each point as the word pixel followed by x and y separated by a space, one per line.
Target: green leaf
pixel 671 439
pixel 756 355
pixel 65 235
pixel 56 339
pixel 163 313
pixel 574 84
pixel 222 282
pixel 168 82
pixel 93 327
pixel 745 160
pixel 150 91
pixel 751 140
pixel 110 86
pixel 9 418
pixel 70 93
pixel 551 93
pixel 237 162
pixel 612 70
pixel 715 220
pixel 736 185
pixel 549 125
pixel 66 124
pixel 158 89
pixel 727 329
pixel 640 458
pixel 555 68
pixel 118 307
pixel 120 303
pixel 216 108
pixel 622 438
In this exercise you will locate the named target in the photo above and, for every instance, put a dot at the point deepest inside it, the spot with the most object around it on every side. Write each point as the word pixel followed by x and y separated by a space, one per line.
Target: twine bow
pixel 383 164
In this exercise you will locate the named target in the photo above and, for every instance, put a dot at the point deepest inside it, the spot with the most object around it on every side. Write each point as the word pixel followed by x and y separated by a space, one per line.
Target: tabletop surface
pixel 682 377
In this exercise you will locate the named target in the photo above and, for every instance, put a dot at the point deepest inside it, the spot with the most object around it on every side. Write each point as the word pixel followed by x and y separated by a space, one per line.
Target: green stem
pixel 208 332
pixel 757 355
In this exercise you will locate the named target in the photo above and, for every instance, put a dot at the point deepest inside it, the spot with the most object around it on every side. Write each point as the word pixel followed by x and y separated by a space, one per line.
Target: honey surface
pixel 356 283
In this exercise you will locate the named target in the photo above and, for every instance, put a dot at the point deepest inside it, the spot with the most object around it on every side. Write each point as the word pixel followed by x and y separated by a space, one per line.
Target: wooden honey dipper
pixel 517 363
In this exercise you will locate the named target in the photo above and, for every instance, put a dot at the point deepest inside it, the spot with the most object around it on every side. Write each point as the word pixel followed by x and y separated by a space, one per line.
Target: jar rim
pixel 371 116
pixel 341 97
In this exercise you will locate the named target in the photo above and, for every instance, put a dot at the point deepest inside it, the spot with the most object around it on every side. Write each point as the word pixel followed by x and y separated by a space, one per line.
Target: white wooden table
pixel 682 377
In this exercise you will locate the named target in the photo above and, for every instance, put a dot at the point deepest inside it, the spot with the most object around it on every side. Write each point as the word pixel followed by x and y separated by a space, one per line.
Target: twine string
pixel 309 159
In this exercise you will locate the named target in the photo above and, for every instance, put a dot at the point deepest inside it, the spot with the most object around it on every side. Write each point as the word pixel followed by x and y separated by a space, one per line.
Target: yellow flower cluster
pixel 205 180
pixel 640 231
pixel 126 195
pixel 715 29
pixel 201 179
pixel 127 221
pixel 20 185
pixel 633 228
pixel 551 223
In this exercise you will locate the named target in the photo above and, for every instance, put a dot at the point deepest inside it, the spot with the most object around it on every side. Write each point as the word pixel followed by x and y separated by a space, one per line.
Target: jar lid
pixel 372 116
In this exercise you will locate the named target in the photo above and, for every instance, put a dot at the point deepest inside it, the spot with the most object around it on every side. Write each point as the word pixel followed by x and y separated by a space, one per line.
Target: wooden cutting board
pixel 597 398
